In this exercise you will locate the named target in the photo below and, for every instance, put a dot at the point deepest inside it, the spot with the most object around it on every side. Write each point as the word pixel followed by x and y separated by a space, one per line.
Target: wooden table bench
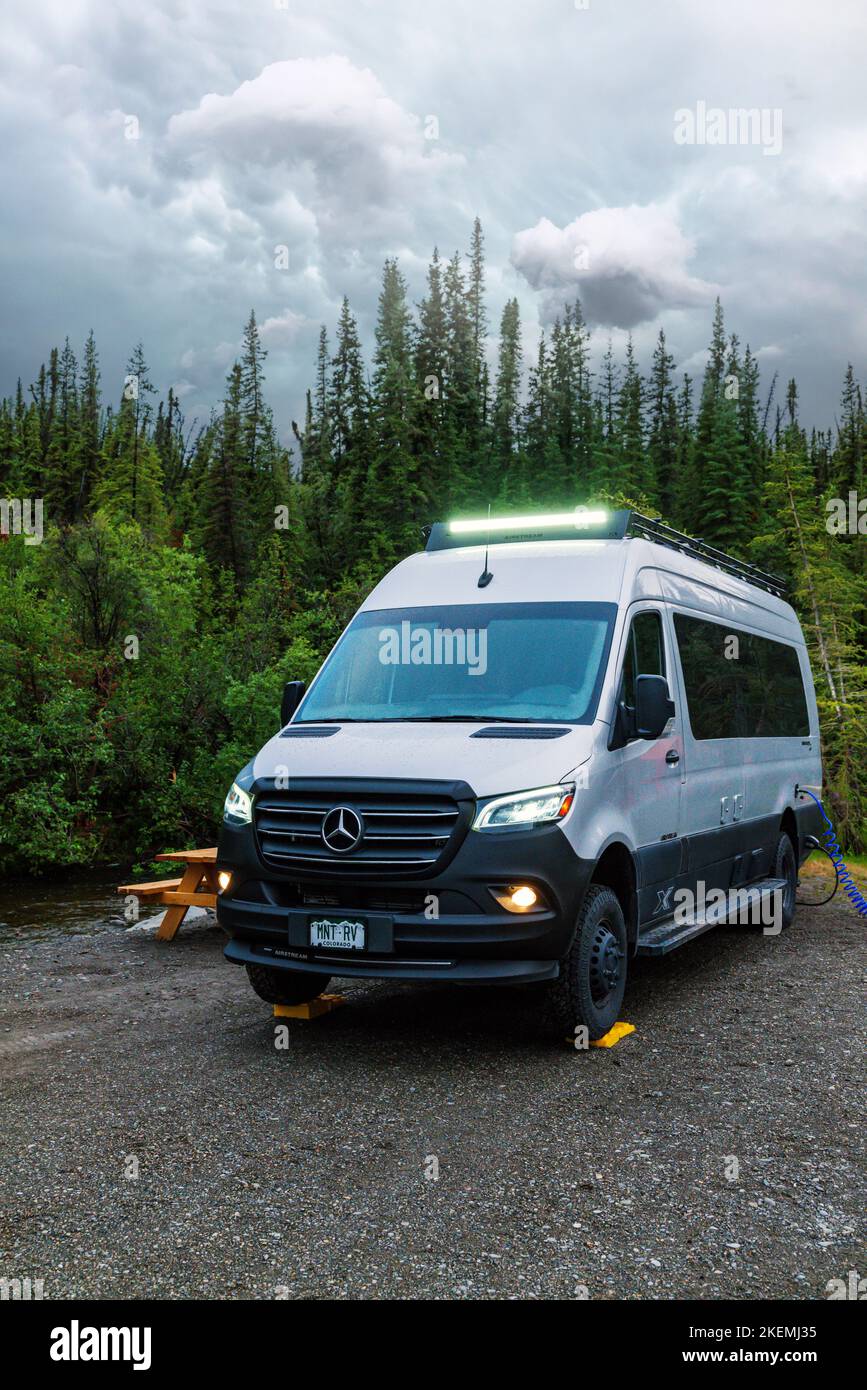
pixel 197 887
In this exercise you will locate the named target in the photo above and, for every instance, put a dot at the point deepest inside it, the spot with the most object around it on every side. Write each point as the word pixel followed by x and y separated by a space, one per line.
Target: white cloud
pixel 326 120
pixel 626 264
pixel 282 329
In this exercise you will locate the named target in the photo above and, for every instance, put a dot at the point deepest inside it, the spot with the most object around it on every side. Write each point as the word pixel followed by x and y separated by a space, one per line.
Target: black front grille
pixel 404 832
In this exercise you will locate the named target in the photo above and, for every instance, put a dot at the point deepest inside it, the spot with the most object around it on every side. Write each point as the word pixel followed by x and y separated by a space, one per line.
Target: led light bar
pixel 582 523
pixel 592 523
pixel 580 519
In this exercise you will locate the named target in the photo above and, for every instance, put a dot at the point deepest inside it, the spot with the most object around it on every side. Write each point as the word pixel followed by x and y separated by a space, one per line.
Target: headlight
pixel 526 808
pixel 238 809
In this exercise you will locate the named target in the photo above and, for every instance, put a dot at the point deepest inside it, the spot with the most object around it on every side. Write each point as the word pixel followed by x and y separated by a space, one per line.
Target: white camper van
pixel 541 746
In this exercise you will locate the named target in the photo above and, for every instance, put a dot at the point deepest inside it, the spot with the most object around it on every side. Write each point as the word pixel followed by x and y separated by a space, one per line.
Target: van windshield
pixel 491 661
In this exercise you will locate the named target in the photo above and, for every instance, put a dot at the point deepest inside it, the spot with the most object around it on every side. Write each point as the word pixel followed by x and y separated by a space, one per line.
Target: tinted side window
pixel 645 653
pixel 708 676
pixel 738 684
pixel 773 703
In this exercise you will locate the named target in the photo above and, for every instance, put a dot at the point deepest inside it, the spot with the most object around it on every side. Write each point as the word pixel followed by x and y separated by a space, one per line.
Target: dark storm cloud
pixel 625 264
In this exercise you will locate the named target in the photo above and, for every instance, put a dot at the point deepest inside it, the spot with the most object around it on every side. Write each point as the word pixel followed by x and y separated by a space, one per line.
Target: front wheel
pixel 592 980
pixel 285 986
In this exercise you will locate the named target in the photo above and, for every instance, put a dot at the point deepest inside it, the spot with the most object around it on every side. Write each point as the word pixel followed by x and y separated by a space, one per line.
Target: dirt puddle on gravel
pixel 80 903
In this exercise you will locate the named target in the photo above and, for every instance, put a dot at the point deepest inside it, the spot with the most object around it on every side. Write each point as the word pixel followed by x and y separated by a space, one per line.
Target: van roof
pixel 593 523
pixel 607 571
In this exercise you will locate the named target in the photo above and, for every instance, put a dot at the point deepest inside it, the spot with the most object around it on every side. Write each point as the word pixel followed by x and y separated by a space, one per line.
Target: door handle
pixel 672 757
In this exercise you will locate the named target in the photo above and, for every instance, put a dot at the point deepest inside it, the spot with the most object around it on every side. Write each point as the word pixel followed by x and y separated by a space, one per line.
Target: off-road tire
pixel 592 980
pixel 785 865
pixel 285 986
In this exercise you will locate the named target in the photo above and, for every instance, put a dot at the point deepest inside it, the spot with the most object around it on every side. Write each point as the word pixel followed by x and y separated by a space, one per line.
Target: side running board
pixel 738 910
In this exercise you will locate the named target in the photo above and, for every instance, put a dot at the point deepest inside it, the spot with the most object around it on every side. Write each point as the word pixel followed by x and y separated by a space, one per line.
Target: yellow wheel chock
pixel 611 1038
pixel 314 1008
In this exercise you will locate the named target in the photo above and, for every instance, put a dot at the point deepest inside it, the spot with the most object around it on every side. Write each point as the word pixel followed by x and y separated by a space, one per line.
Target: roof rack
pixel 657 531
pixel 583 523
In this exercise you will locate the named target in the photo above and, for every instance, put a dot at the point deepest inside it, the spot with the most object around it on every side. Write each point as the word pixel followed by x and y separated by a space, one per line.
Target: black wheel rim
pixel 606 964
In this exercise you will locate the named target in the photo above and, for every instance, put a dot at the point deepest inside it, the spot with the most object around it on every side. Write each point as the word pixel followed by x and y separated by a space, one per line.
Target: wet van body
pixel 391 828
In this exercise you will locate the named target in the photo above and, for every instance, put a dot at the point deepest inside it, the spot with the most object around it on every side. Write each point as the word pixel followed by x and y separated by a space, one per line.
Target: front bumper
pixel 468 972
pixel 472 940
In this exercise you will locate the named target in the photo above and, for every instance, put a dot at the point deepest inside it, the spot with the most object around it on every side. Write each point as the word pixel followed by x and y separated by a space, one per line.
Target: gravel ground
pixel 310 1171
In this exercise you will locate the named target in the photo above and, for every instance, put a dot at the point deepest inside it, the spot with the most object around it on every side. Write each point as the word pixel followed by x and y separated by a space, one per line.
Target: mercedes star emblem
pixel 342 829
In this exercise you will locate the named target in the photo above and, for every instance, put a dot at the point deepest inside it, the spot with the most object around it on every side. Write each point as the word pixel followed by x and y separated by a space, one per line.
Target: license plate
pixel 337 933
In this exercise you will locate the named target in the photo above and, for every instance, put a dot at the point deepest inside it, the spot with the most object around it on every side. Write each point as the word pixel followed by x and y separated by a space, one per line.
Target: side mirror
pixel 653 706
pixel 293 694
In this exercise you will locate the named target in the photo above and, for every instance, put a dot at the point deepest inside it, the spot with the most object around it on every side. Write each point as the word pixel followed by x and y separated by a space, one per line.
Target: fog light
pixel 519 897
pixel 224 879
pixel 523 897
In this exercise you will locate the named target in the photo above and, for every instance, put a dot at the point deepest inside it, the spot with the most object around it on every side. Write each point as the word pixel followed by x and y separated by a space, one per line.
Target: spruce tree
pixel 850 451
pixel 171 446
pixel 582 379
pixel 537 482
pixel 507 407
pixel 431 443
pixel 476 300
pixel 348 409
pixel 685 480
pixel 225 526
pixel 529 483
pixel 633 475
pixel 711 394
pixel 470 480
pixel 720 470
pixel 255 421
pixel 752 440
pixel 605 476
pixel 8 455
pixel 130 478
pixel 394 499
pixel 663 436
pixel 90 425
pixel 62 465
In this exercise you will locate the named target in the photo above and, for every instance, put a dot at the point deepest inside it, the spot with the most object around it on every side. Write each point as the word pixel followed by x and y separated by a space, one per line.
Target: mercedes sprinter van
pixel 542 746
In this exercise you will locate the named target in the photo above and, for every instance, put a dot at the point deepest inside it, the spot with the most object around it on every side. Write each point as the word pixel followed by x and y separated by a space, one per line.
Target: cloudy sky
pixel 157 156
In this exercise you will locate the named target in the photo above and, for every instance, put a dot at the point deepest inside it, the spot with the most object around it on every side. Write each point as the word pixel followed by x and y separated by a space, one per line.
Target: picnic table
pixel 197 887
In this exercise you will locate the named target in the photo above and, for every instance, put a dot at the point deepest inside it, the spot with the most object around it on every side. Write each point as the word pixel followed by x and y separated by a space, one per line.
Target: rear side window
pixel 771 689
pixel 739 685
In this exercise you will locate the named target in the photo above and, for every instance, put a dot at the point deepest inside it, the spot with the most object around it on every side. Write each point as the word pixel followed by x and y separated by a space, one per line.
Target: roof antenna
pixel 485 577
